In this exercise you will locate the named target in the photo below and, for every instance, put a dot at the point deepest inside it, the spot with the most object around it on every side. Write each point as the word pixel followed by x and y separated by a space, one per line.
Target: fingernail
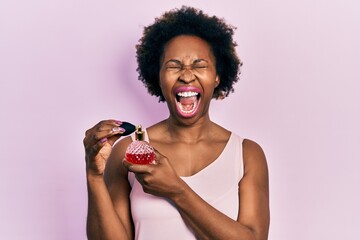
pixel 103 140
pixel 118 122
pixel 118 129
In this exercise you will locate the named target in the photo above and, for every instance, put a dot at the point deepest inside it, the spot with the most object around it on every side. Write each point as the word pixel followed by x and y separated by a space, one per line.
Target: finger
pixel 124 130
pixel 101 126
pixel 126 163
pixel 105 125
pixel 109 122
pixel 114 128
pixel 140 177
pixel 114 134
pixel 158 154
pixel 104 131
pixel 99 136
pixel 159 157
pixel 128 127
pixel 95 149
pixel 136 168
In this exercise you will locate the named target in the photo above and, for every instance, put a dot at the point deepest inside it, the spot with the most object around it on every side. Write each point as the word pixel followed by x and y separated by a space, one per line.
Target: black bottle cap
pixel 129 128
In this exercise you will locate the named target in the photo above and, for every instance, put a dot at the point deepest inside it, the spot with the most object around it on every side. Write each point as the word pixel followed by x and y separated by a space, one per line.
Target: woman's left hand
pixel 159 179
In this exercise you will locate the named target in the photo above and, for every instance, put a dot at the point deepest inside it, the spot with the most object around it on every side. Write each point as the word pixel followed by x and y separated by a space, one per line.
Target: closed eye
pixel 174 68
pixel 199 66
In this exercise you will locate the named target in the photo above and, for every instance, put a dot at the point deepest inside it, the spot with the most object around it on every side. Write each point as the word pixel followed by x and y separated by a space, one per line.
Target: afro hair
pixel 188 21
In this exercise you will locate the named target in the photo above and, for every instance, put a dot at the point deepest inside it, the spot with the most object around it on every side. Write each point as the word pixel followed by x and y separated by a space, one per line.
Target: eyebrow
pixel 200 60
pixel 179 62
pixel 173 61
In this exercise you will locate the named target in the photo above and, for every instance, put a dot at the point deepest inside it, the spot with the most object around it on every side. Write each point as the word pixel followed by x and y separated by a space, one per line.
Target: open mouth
pixel 187 102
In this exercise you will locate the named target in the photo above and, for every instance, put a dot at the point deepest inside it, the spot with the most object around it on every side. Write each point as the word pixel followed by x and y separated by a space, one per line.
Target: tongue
pixel 187 100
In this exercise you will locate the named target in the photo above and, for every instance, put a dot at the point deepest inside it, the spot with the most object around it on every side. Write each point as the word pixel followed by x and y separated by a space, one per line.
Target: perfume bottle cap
pixel 139 133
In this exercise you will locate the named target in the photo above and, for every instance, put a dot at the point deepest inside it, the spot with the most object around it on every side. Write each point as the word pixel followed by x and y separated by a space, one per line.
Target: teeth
pixel 187 94
pixel 185 111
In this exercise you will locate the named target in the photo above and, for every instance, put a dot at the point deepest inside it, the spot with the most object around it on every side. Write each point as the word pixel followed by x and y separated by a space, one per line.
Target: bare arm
pixel 253 217
pixel 104 221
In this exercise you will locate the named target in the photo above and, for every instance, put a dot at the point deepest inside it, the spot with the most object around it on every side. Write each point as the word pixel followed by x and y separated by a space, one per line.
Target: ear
pixel 217 81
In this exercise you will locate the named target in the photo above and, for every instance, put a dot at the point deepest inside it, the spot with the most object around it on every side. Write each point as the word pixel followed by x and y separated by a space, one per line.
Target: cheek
pixel 166 82
pixel 165 88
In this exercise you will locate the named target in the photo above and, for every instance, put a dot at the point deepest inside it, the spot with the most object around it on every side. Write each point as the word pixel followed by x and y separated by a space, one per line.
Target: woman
pixel 207 183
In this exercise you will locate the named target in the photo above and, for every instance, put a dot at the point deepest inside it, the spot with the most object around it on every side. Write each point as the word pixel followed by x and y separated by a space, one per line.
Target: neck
pixel 192 132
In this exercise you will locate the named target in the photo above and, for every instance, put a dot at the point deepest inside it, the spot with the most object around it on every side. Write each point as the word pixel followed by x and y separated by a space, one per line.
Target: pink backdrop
pixel 65 65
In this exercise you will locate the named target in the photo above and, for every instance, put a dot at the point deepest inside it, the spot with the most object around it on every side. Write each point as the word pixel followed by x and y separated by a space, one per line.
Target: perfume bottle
pixel 140 151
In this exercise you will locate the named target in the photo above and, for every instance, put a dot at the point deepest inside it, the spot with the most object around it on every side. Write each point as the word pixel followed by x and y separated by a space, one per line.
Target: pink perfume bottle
pixel 140 151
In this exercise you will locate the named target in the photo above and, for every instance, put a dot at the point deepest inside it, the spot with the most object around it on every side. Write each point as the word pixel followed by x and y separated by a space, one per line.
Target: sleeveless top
pixel 157 218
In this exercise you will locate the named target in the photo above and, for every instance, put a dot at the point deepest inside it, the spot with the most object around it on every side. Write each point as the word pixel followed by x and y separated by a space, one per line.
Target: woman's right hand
pixel 98 143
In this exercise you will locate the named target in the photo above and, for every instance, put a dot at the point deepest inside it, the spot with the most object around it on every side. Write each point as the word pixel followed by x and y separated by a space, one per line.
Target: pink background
pixel 65 65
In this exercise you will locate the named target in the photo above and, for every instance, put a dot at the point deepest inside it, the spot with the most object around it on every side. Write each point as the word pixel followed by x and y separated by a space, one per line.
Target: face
pixel 188 76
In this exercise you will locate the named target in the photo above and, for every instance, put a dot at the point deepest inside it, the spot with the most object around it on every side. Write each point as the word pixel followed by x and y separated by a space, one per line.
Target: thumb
pixel 159 157
pixel 105 151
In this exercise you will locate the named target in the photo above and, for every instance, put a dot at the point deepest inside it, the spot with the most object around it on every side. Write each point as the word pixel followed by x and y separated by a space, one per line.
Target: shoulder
pixel 254 190
pixel 114 164
pixel 252 149
pixel 121 145
pixel 254 157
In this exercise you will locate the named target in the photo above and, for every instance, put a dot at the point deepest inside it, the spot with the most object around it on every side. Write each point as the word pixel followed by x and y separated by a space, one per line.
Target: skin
pixel 195 143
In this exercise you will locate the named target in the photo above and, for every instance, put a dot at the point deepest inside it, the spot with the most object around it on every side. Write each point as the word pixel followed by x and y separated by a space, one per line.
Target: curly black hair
pixel 188 21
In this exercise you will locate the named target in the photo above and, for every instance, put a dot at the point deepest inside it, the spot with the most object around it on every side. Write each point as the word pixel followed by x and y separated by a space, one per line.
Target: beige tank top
pixel 157 218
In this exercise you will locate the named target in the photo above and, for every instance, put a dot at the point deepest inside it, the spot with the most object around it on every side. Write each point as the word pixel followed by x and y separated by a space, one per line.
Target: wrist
pixel 181 193
pixel 93 176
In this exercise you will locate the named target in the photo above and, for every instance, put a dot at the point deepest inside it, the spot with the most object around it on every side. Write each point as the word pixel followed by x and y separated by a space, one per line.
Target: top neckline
pixel 210 165
pixel 207 167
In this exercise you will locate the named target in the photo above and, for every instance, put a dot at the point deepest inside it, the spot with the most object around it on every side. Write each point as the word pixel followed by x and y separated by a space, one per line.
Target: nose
pixel 187 75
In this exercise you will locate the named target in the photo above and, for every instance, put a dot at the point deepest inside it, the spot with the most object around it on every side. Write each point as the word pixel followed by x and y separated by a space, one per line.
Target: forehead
pixel 187 46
